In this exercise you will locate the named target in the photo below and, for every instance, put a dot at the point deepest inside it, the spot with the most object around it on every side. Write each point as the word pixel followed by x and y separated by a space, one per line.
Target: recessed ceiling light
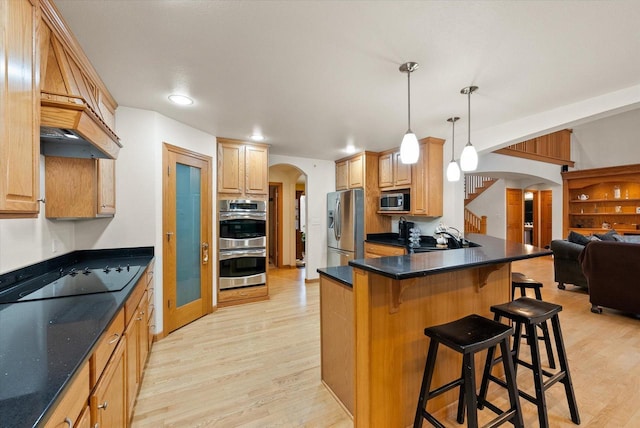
pixel 257 137
pixel 182 100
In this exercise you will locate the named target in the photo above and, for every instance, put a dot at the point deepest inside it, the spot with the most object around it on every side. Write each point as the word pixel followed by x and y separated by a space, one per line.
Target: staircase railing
pixel 474 182
pixel 474 223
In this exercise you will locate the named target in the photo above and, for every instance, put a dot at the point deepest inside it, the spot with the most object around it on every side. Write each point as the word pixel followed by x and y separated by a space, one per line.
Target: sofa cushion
pixel 631 238
pixel 577 238
pixel 609 236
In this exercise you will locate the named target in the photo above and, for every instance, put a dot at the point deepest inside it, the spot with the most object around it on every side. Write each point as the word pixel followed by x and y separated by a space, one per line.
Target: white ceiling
pixel 314 76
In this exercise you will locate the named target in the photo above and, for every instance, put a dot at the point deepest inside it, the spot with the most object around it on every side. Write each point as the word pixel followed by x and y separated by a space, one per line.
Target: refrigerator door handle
pixel 337 224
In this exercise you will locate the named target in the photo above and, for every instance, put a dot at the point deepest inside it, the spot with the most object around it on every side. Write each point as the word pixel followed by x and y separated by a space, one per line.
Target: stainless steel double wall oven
pixel 243 240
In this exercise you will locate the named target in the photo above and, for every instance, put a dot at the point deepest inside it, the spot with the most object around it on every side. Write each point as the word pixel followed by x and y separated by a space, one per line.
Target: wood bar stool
pixel 521 281
pixel 529 313
pixel 467 336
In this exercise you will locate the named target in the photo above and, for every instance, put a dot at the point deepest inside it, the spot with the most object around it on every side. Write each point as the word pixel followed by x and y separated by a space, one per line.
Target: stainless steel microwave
pixel 394 202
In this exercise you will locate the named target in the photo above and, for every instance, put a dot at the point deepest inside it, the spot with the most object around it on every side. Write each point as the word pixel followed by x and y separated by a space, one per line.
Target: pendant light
pixel 453 172
pixel 409 148
pixel 469 156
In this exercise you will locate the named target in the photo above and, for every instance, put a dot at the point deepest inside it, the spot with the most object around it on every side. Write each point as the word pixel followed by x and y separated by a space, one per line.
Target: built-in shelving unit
pixel 597 200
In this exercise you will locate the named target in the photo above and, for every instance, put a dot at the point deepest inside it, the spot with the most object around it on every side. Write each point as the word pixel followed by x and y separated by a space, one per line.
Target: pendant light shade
pixel 409 148
pixel 453 172
pixel 469 156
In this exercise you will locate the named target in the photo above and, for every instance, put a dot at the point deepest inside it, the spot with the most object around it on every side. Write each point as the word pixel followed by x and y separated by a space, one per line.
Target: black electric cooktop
pixel 73 281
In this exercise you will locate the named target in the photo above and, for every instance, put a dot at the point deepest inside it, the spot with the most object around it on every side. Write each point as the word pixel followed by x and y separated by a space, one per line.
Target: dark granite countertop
pixel 44 342
pixel 491 250
pixel 427 243
pixel 342 274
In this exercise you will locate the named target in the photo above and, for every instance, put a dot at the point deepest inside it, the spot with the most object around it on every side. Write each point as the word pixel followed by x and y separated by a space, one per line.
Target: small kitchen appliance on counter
pixel 404 227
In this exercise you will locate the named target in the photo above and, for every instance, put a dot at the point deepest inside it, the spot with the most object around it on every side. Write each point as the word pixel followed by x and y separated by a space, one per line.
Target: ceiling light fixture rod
pixel 453 171
pixel 469 156
pixel 409 149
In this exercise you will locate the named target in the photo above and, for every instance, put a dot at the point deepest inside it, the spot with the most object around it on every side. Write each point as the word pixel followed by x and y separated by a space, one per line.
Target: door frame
pixel 278 220
pixel 206 224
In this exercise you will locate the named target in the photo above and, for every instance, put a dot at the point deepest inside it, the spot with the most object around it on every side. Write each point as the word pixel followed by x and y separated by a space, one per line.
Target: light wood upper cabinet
pixel 106 187
pixel 257 170
pixel 19 109
pixel 79 188
pixel 392 173
pixel 356 171
pixel 243 168
pixel 426 189
pixel 342 175
pixel 361 171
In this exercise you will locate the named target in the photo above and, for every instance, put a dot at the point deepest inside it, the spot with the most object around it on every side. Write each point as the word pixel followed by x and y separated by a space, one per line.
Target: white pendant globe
pixel 469 158
pixel 453 172
pixel 409 148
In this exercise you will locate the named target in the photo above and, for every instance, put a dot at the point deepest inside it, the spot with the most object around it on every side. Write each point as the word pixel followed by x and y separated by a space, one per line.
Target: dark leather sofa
pixel 612 270
pixel 566 267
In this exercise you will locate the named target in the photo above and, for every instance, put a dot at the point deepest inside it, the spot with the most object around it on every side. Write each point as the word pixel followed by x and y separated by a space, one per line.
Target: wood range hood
pixel 76 108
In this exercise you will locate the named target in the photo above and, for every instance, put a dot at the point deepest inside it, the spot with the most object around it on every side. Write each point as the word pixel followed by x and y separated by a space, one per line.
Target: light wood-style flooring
pixel 258 365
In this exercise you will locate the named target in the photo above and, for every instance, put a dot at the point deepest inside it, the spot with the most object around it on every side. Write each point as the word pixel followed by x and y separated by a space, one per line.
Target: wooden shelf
pixel 599 185
pixel 591 201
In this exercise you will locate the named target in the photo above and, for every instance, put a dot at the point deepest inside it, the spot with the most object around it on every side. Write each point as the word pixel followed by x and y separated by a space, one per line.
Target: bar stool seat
pixel 467 336
pixel 530 313
pixel 524 283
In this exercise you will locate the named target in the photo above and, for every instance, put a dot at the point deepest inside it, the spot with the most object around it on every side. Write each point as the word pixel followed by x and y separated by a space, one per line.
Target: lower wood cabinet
pixel 372 250
pixel 137 336
pixel 108 400
pixel 104 391
pixel 73 403
pixel 84 420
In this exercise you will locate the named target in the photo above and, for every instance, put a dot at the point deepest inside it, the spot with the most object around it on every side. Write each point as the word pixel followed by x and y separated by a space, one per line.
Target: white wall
pixel 24 242
pixel 320 181
pixel 607 142
pixel 136 174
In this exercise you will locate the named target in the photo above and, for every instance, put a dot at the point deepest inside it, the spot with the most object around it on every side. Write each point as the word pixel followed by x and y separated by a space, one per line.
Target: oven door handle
pixel 242 216
pixel 258 252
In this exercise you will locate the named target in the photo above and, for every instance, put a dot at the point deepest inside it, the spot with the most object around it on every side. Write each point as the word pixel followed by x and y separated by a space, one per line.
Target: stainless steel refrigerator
pixel 345 220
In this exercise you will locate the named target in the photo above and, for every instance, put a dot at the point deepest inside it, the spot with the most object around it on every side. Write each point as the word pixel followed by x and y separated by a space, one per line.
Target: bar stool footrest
pixel 501 419
pixel 444 388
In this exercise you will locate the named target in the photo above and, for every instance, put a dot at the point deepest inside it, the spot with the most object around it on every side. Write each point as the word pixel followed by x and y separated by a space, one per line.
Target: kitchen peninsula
pixel 373 318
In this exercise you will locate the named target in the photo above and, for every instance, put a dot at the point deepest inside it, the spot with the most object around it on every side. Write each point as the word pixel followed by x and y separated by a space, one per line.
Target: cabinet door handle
pixel 68 422
pixel 103 406
pixel 116 336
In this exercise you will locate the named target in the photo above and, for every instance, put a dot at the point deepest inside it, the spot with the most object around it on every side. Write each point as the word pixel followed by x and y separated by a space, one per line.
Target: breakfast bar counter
pixel 372 360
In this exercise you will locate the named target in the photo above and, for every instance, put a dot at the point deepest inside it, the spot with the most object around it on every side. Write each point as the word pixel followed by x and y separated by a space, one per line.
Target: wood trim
pixel 533 156
pixel 279 238
pixel 599 172
pixel 206 225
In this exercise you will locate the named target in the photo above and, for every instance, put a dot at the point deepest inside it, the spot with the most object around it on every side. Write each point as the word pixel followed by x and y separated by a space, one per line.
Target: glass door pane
pixel 188 201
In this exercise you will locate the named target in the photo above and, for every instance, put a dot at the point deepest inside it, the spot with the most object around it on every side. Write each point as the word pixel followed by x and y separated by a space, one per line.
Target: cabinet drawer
pixel 151 325
pixel 149 272
pixel 105 347
pixel 131 305
pixel 75 399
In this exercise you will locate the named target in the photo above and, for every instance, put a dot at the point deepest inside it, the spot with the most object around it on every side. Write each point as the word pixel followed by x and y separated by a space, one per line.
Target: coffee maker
pixel 403 229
